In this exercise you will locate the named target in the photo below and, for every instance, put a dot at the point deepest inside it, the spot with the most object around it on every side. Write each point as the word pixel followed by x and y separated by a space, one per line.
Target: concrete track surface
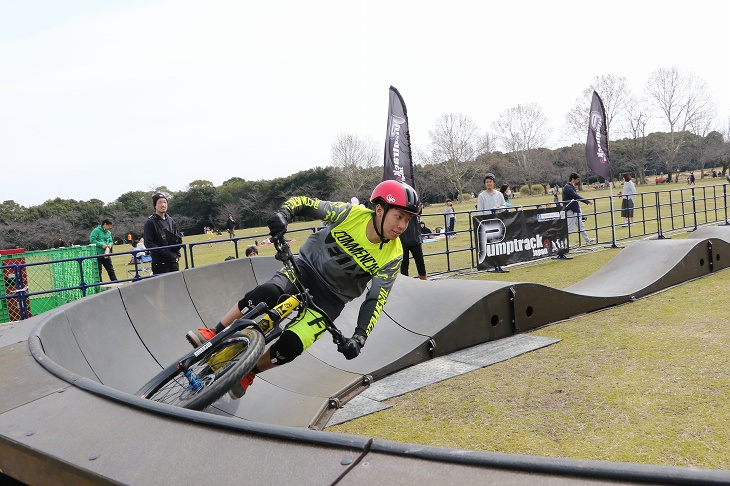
pixel 68 416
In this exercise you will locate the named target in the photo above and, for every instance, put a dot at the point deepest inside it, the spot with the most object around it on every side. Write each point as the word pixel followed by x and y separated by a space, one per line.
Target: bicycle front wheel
pixel 211 376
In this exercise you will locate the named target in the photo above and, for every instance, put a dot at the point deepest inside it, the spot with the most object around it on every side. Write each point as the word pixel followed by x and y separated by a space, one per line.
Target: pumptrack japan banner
pixel 597 141
pixel 398 162
pixel 511 237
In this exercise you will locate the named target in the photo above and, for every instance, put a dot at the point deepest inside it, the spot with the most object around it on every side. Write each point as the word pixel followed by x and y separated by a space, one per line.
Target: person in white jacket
pixel 628 196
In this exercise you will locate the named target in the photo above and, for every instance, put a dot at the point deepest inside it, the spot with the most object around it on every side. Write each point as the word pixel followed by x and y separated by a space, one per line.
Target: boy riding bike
pixel 358 246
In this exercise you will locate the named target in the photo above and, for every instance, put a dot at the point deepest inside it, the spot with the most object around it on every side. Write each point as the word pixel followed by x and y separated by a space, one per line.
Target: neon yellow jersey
pixel 345 259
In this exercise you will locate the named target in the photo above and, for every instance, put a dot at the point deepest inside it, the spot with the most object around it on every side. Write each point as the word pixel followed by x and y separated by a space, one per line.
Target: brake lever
pixel 282 248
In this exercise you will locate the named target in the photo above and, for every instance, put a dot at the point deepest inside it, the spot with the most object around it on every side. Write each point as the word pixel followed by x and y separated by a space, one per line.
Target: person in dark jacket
pixel 412 241
pixel 571 200
pixel 160 230
pixel 231 225
pixel 425 230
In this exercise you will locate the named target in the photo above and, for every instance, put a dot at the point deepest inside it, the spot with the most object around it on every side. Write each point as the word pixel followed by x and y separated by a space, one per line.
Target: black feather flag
pixel 597 142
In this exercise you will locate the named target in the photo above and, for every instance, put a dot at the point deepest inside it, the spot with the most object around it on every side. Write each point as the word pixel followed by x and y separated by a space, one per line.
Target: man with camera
pixel 160 230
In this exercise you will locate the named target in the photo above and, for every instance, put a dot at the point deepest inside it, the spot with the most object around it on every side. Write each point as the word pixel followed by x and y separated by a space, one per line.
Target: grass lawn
pixel 646 382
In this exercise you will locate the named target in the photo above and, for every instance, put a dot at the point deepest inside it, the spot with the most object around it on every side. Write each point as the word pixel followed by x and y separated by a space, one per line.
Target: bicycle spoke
pixel 185 389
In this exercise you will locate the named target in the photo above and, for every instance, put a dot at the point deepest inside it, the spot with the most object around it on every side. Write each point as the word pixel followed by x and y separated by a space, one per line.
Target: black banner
pixel 398 162
pixel 519 236
pixel 597 141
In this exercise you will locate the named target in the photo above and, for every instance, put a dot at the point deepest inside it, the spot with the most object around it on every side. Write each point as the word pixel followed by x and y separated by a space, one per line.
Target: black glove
pixel 351 347
pixel 277 223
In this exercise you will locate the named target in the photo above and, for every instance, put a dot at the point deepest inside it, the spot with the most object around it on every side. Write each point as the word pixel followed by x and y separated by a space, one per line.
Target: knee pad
pixel 266 292
pixel 286 348
pixel 302 333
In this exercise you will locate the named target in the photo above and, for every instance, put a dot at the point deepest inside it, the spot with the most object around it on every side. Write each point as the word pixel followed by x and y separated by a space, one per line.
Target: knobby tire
pixel 172 387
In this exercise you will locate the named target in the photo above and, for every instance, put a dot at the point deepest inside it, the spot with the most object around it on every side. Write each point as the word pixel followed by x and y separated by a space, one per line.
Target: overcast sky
pixel 99 98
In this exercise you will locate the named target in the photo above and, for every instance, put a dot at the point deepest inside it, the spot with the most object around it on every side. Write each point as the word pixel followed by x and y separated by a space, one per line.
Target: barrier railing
pixel 243 239
pixel 654 213
pixel 33 287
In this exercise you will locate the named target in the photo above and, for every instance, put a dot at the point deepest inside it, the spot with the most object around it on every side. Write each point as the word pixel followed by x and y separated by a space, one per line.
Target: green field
pixel 646 382
pixel 673 207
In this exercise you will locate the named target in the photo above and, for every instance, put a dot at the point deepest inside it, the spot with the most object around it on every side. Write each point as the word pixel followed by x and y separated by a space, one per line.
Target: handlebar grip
pixel 337 336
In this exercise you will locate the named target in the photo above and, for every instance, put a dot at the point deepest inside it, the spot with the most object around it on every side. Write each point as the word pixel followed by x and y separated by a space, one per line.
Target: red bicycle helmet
pixel 396 194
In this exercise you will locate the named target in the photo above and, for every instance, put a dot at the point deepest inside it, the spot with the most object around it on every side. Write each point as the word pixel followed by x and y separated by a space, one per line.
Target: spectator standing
pixel 252 251
pixel 628 196
pixel 571 200
pixel 450 218
pixel 412 241
pixel 160 230
pixel 101 236
pixel 489 201
pixel 556 192
pixel 231 225
pixel 489 198
pixel 691 180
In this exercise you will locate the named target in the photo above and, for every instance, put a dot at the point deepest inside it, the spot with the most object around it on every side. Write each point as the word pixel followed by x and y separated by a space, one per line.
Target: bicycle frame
pixel 268 325
pixel 283 253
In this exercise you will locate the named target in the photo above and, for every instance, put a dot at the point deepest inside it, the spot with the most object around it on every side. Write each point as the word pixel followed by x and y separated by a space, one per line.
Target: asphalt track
pixel 67 415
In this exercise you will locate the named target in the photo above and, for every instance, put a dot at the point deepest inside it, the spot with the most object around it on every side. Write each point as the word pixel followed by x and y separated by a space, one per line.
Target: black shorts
pixel 164 267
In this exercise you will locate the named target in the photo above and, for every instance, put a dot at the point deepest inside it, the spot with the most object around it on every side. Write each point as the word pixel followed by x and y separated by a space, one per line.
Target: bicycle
pixel 204 375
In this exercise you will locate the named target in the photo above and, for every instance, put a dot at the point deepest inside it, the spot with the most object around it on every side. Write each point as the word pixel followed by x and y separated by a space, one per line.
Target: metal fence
pixel 37 281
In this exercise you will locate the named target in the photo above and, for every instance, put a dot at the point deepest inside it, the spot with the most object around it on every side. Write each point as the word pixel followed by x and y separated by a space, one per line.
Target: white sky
pixel 98 98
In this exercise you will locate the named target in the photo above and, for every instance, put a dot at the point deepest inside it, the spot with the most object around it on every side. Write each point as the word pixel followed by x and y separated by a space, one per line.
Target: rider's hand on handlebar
pixel 277 224
pixel 351 347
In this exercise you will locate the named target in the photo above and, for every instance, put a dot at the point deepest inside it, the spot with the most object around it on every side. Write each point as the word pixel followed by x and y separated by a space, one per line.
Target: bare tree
pixel 226 209
pixel 544 168
pixel 638 113
pixel 455 141
pixel 522 130
pixel 702 126
pixel 257 207
pixel 352 156
pixel 724 152
pixel 614 93
pixel 486 143
pixel 682 99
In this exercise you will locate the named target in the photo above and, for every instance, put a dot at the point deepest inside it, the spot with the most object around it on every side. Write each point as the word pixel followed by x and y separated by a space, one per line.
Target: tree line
pixel 251 202
pixel 453 164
